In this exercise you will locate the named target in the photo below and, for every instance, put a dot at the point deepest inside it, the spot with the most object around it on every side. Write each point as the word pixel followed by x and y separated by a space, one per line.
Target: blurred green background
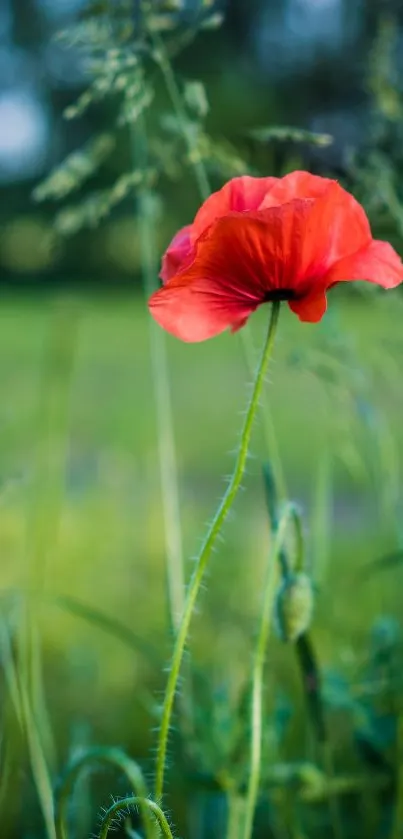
pixel 81 520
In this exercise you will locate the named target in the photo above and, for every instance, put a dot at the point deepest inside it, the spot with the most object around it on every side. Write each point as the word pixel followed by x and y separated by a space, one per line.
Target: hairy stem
pixel 136 801
pixel 112 757
pixel 207 547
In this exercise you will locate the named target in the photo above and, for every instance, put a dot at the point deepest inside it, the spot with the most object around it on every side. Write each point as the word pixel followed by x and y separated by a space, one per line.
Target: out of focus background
pixel 98 152
pixel 312 64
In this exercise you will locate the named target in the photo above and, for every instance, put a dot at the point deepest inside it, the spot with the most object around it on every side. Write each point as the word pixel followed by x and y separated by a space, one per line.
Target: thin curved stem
pixel 257 673
pixel 272 446
pixel 176 98
pixel 112 757
pixel 207 547
pixel 135 801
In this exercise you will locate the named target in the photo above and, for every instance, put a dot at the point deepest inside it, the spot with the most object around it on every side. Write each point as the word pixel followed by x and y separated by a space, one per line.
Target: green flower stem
pixel 136 801
pixel 311 684
pixel 273 570
pixel 272 445
pixel 107 756
pixel 206 550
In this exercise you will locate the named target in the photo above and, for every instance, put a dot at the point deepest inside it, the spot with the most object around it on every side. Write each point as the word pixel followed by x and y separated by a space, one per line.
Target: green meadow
pixel 82 537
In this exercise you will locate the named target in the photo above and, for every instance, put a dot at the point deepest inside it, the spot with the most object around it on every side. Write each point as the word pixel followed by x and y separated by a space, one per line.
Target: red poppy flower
pixel 264 239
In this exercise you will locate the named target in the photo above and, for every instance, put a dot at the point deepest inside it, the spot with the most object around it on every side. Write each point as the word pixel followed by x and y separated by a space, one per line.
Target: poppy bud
pixel 294 606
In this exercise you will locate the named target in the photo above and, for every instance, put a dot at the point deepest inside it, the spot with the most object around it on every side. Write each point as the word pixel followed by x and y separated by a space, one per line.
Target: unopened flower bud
pixel 294 606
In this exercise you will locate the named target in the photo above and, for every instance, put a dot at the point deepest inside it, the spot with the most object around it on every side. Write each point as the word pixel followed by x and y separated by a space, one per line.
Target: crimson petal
pixel 377 263
pixel 243 194
pixel 200 309
pixel 177 254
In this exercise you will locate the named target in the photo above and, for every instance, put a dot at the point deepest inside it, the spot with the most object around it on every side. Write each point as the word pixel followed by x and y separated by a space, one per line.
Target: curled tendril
pixel 113 757
pixel 143 804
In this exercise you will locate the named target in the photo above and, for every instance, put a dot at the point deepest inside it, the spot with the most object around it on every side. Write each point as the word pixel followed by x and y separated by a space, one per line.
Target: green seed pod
pixel 294 606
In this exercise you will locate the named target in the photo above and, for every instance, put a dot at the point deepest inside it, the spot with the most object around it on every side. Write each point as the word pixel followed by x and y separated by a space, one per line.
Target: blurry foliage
pixel 376 170
pixel 28 244
pixel 123 57
pixel 285 133
pixel 126 46
pixel 75 170
pixel 355 716
pixel 120 47
pixel 351 710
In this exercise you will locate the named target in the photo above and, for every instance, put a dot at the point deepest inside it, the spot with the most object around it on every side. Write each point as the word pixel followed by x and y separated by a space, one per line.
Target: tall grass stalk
pixel 51 438
pixel 321 516
pixel 207 547
pixel 397 825
pixel 321 551
pixel 269 594
pixel 236 807
pixel 21 701
pixel 50 429
pixel 49 443
pixel 162 395
pixel 175 95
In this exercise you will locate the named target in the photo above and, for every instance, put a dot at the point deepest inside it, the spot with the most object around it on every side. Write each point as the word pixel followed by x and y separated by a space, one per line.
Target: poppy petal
pixel 377 263
pixel 310 308
pixel 288 246
pixel 295 185
pixel 338 225
pixel 237 325
pixel 197 310
pixel 237 262
pixel 243 194
pixel 176 254
pixel 253 254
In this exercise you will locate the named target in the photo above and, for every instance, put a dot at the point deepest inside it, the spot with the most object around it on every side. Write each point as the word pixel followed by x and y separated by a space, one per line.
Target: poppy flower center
pixel 279 294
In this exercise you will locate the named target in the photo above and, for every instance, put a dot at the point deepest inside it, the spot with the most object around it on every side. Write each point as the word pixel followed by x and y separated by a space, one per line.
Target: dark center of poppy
pixel 279 294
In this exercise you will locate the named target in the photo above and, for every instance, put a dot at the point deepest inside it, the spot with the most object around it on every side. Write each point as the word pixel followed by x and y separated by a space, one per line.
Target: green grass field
pixel 81 513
